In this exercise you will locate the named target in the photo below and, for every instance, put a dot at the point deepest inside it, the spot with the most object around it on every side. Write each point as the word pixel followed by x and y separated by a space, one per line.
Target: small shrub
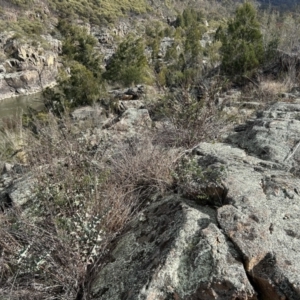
pixel 187 120
pixel 83 85
pixel 129 64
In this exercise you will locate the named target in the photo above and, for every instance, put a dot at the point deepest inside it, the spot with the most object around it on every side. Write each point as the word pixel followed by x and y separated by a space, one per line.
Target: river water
pixel 15 106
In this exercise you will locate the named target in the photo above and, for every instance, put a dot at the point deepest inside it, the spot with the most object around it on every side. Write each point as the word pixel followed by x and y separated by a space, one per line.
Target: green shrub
pixel 129 64
pixel 22 3
pixel 31 27
pixel 82 87
pixel 188 18
pixel 96 11
pixel 184 58
pixel 192 47
pixel 79 46
pixel 242 43
pixel 83 84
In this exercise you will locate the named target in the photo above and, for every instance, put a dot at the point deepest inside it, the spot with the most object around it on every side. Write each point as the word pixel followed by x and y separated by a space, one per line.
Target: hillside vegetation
pixel 192 66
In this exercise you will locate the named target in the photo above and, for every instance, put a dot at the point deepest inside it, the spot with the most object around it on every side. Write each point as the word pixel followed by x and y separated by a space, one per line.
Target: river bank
pixel 23 92
pixel 13 106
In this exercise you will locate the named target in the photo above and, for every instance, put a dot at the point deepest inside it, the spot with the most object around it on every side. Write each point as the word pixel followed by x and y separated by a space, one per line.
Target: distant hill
pixel 283 4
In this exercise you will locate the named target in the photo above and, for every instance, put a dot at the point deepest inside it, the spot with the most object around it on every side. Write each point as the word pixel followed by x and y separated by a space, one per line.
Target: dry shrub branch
pixel 188 118
pixel 83 196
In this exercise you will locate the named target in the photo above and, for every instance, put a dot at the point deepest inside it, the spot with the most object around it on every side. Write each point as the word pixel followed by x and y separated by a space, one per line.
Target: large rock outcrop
pixel 273 135
pixel 231 233
pixel 259 214
pixel 26 68
pixel 173 250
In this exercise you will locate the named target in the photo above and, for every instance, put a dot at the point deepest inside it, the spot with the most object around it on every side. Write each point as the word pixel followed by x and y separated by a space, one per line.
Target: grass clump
pixel 11 140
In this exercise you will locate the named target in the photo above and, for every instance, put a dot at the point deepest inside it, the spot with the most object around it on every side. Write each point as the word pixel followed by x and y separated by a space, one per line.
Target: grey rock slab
pixel 274 135
pixel 17 191
pixel 22 190
pixel 175 251
pixel 260 214
pixel 88 112
pixel 133 120
pixel 135 104
pixel 249 104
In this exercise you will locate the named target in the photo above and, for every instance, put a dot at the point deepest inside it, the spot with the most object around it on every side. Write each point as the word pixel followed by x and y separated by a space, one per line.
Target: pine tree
pixel 129 64
pixel 79 46
pixel 242 43
pixel 81 87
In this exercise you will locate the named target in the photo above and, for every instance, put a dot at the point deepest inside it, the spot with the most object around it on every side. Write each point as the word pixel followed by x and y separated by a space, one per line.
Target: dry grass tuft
pixel 83 198
pixel 274 88
pixel 11 140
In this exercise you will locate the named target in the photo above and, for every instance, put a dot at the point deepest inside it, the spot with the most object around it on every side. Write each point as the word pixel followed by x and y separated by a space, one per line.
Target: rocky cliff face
pixel 240 242
pixel 25 68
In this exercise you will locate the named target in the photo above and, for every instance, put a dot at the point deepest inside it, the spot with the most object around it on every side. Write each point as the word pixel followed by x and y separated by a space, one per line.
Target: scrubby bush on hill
pixel 81 87
pixel 129 64
pixel 81 199
pixel 188 18
pixel 79 45
pixel 242 44
pixel 83 84
pixel 21 3
pixel 96 11
pixel 182 62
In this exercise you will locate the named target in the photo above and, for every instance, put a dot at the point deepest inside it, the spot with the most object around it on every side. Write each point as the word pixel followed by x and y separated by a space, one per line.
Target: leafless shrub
pixel 138 170
pixel 280 34
pixel 186 119
pixel 35 260
pixel 273 87
pixel 84 196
